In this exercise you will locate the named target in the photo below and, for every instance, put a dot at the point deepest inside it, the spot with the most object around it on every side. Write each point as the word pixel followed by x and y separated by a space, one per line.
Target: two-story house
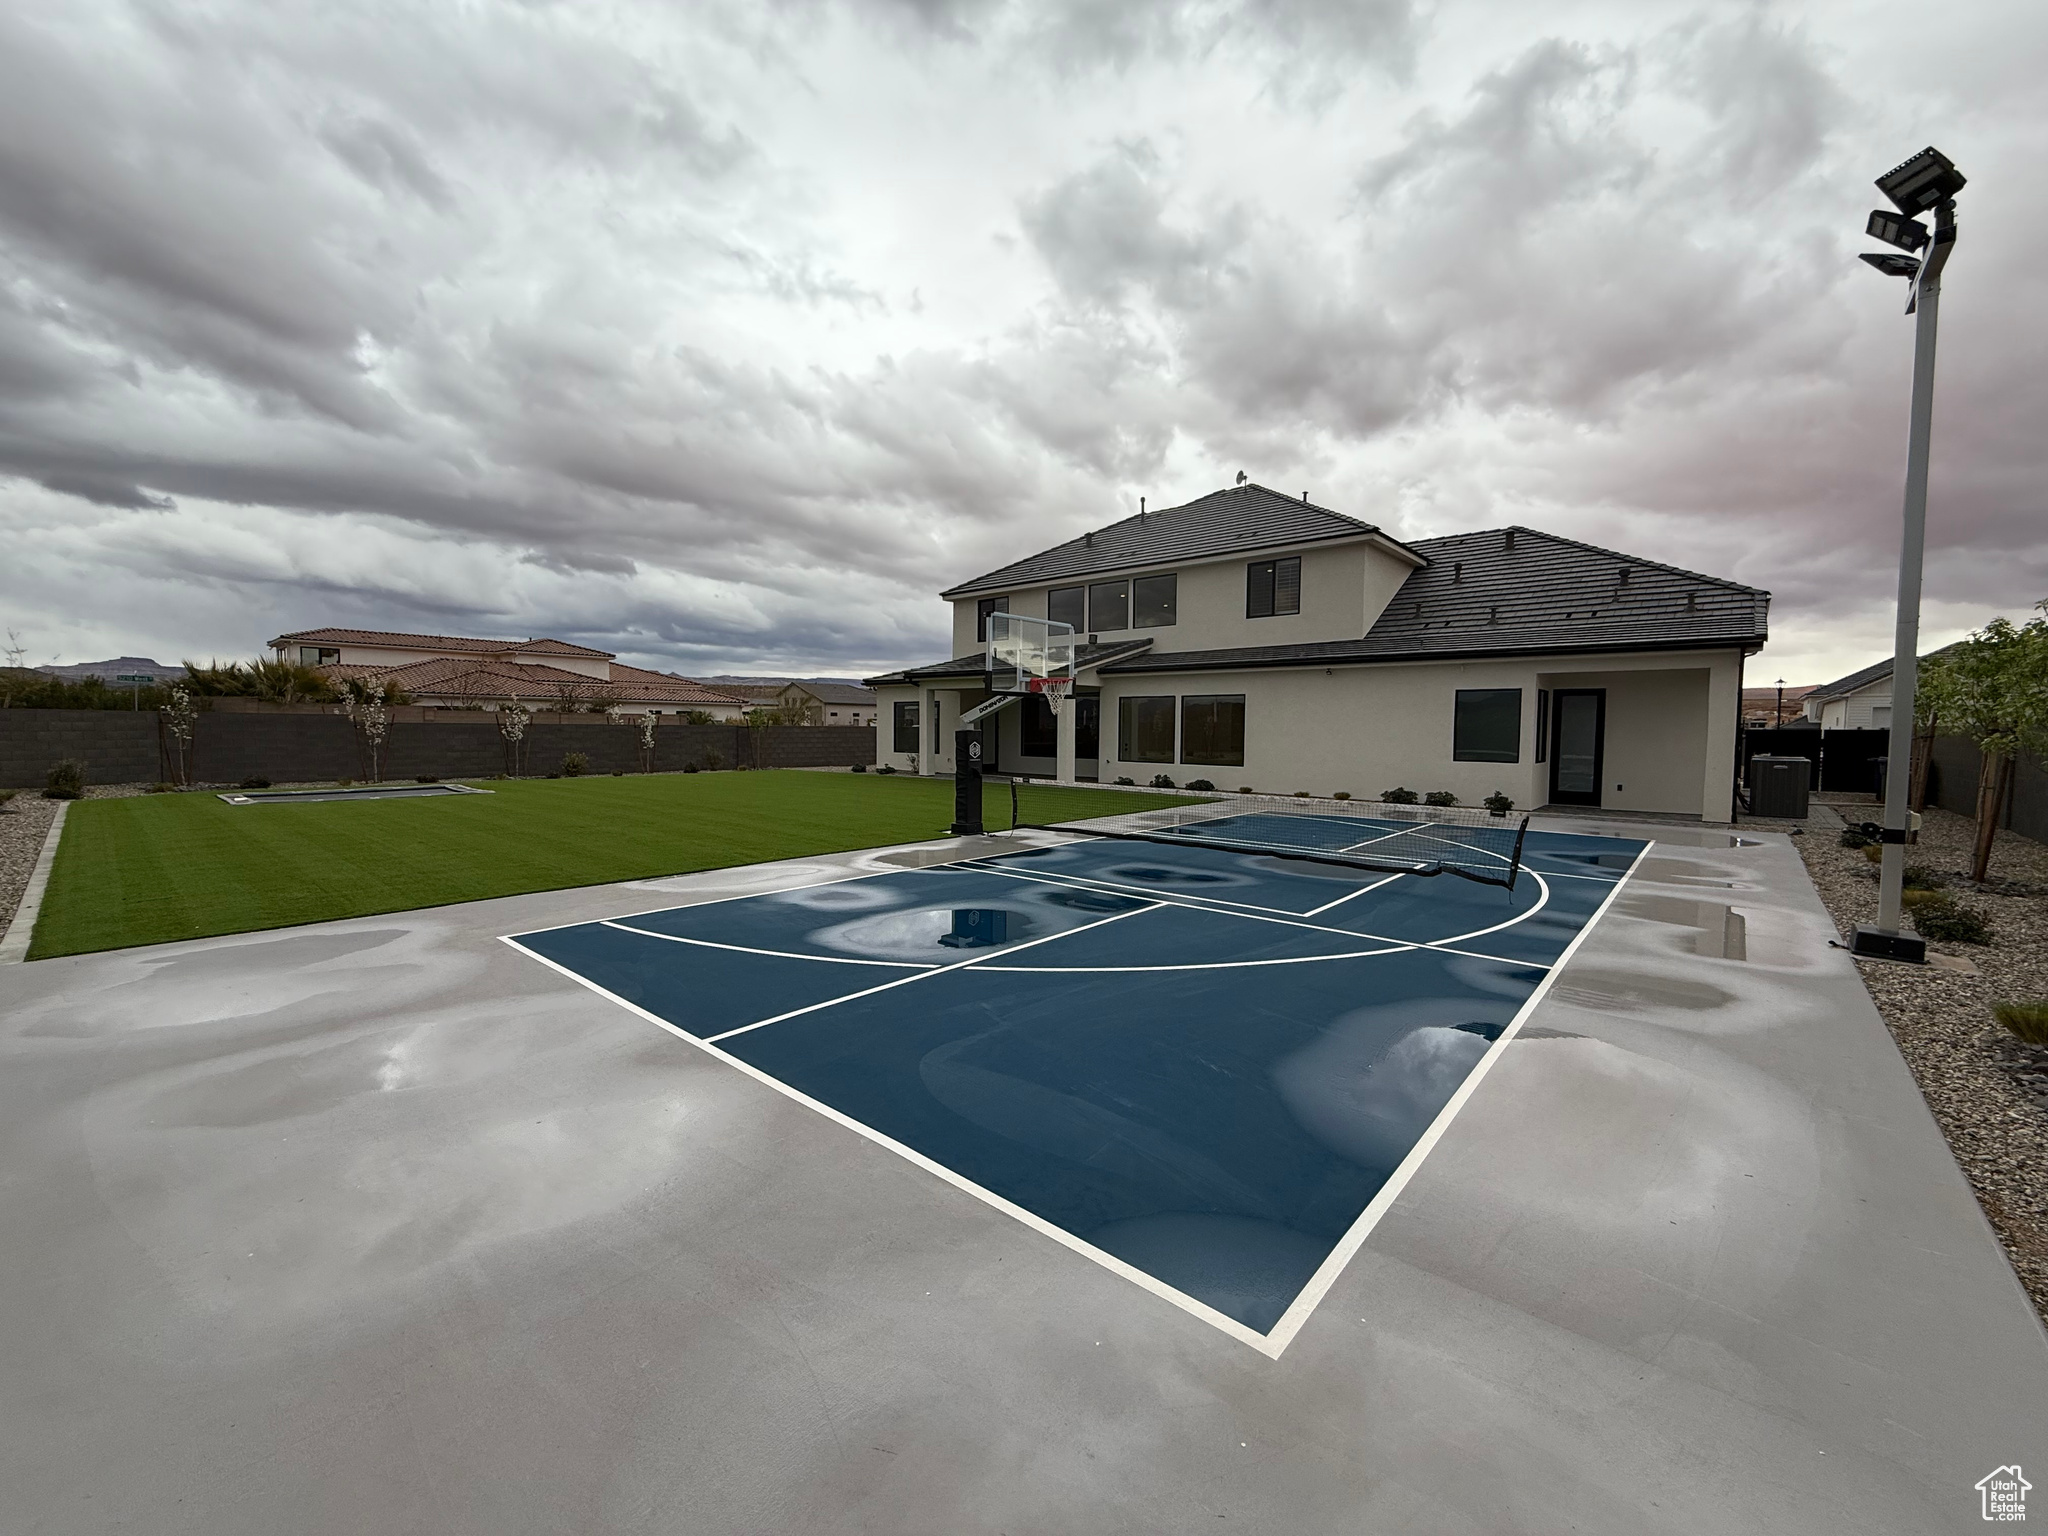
pixel 1256 640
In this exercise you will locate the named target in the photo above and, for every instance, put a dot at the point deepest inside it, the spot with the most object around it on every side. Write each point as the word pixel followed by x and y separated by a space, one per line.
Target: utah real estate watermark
pixel 2005 1495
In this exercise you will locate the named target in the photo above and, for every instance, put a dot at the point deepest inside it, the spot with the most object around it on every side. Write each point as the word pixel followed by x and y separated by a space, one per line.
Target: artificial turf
pixel 155 868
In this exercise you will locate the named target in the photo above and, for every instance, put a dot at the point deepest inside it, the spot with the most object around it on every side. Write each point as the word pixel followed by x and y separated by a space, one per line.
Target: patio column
pixel 1064 719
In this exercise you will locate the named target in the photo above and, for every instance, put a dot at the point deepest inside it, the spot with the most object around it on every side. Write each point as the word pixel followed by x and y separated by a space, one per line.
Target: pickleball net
pixel 1468 841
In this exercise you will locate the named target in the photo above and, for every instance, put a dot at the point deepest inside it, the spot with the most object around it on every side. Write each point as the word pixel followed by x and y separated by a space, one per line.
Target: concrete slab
pixel 373 1226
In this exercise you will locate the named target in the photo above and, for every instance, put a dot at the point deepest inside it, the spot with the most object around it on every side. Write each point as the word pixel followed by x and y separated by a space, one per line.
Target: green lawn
pixel 162 867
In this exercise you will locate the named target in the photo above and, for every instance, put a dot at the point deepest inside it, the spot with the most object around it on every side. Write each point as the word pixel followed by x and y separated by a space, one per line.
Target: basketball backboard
pixel 1021 648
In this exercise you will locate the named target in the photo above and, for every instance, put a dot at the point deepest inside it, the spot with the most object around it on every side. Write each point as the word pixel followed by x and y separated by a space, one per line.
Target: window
pixel 906 726
pixel 1144 730
pixel 1109 605
pixel 1212 729
pixel 1068 605
pixel 1488 728
pixel 1880 717
pixel 1152 601
pixel 1542 724
pixel 983 609
pixel 319 655
pixel 1272 586
pixel 1037 730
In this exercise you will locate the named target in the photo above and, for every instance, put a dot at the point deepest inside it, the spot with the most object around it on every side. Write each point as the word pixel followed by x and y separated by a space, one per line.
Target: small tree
pixel 512 721
pixel 649 721
pixel 368 711
pixel 180 717
pixel 1991 688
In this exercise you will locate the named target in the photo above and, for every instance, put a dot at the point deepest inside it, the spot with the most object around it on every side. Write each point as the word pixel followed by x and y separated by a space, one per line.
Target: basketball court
pixel 1207 1068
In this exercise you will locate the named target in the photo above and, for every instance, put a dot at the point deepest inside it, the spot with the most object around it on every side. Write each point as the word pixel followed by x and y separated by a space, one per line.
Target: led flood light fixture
pixel 1926 181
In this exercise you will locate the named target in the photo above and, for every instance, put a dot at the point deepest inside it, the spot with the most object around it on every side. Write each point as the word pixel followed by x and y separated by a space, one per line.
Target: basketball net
pixel 1055 690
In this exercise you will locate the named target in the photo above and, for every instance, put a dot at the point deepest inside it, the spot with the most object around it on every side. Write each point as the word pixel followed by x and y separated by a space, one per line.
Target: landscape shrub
pixel 6 795
pixel 1342 794
pixel 860 767
pixel 714 761
pixel 689 767
pixel 1246 789
pixel 426 778
pixel 1498 803
pixel 886 768
pixel 254 781
pixel 1131 782
pixel 1301 794
pixel 1939 917
pixel 1439 797
pixel 1161 781
pixel 573 765
pixel 66 781
pixel 2026 1021
pixel 1200 784
pixel 161 787
pixel 1856 837
pixel 1398 796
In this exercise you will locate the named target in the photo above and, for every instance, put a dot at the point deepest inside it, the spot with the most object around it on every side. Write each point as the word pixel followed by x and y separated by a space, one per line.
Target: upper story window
pixel 1272 587
pixel 983 609
pixel 1068 605
pixel 1153 599
pixel 1109 605
pixel 319 655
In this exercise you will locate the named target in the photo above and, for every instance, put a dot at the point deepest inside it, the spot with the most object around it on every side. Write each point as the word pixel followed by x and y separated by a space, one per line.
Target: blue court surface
pixel 1209 1069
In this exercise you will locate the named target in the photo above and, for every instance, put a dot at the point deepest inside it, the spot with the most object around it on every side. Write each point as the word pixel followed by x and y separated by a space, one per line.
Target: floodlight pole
pixel 1926 306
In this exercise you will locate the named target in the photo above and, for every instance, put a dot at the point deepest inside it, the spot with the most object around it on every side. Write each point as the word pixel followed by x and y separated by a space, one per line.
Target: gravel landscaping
pixel 24 823
pixel 1988 1091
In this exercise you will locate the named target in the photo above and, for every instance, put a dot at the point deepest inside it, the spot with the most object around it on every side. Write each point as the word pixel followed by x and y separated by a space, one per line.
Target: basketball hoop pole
pixel 967 784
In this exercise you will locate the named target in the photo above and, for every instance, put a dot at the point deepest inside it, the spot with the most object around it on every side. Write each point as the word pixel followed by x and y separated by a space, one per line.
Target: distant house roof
pixel 1242 517
pixel 1863 677
pixel 837 693
pixel 1516 591
pixel 449 677
pixel 397 641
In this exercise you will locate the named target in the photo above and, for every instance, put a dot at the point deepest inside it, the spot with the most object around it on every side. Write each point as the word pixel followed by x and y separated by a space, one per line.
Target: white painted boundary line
pixel 14 948
pixel 1326 1274
pixel 958 965
pixel 1036 1223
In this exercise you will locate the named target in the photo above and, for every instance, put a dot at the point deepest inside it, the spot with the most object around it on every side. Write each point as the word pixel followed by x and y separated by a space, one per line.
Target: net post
pixel 1013 805
pixel 967 784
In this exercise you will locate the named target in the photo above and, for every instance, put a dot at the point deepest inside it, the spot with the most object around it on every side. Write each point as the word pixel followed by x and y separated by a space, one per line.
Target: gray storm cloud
pixel 723 337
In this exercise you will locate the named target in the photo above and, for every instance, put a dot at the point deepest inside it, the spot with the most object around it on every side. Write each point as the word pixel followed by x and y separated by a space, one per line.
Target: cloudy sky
pixel 723 336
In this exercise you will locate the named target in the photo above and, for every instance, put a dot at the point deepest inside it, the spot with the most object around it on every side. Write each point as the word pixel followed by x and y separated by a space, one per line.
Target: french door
pixel 1577 738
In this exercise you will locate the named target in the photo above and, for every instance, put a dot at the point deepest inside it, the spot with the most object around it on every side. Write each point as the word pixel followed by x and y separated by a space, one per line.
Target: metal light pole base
pixel 1879 944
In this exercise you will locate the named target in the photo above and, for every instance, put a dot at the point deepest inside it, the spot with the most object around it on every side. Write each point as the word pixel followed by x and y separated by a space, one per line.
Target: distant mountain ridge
pixel 107 671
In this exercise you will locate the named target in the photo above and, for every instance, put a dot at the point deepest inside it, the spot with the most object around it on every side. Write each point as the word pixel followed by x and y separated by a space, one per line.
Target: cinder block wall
pixel 294 745
pixel 117 746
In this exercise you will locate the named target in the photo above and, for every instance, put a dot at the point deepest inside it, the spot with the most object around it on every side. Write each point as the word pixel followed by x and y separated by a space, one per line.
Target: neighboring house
pixel 1862 701
pixel 1251 639
pixel 454 671
pixel 831 703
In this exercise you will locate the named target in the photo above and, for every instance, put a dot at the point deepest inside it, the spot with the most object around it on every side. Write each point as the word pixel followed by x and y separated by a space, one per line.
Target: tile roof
pixel 538 647
pixel 838 693
pixel 459 678
pixel 1241 517
pixel 1517 591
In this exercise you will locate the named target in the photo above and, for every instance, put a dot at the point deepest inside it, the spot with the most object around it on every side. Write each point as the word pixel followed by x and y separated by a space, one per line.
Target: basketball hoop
pixel 1055 690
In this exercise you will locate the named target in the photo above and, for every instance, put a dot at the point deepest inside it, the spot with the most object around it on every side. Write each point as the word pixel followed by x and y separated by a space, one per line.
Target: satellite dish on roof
pixel 1242 477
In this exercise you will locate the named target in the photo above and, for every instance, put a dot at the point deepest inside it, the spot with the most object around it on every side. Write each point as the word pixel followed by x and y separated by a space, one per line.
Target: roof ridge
pixel 1598 549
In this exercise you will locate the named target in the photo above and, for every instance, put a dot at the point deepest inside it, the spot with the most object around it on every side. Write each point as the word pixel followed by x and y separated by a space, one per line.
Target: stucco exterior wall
pixel 1367 729
pixel 1343 589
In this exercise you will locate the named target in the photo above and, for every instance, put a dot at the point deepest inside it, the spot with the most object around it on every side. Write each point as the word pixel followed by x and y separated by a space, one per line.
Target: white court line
pixel 1326 1274
pixel 1096 882
pixel 778 954
pixel 1187 903
pixel 1284 922
pixel 1362 890
pixel 1109 1261
pixel 904 981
